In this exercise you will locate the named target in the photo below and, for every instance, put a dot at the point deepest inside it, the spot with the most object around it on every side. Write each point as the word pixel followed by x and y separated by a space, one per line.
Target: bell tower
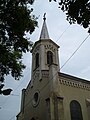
pixel 44 53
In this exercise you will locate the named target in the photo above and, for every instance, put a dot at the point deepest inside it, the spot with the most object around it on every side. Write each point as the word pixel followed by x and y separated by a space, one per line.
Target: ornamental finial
pixel 44 18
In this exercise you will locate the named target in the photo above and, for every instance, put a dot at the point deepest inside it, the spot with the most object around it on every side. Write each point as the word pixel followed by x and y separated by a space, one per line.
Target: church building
pixel 50 94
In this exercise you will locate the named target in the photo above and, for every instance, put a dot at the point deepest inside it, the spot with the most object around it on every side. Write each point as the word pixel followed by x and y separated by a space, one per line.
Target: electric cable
pixel 62 33
pixel 74 52
pixel 12 94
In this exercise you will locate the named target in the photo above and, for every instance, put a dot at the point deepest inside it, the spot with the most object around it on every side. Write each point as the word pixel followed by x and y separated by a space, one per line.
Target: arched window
pixel 49 57
pixel 75 110
pixel 37 60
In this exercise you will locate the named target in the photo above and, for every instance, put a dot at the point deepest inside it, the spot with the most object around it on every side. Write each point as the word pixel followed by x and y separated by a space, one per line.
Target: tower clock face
pixel 36 98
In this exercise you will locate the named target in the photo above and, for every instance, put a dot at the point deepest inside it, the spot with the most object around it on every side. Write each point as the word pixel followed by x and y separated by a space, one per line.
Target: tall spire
pixel 44 32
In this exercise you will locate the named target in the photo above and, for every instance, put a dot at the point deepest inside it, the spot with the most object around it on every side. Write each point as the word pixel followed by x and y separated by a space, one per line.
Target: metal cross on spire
pixel 44 16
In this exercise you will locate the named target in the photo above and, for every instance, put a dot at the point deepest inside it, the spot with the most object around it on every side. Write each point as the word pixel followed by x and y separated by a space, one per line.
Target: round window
pixel 36 98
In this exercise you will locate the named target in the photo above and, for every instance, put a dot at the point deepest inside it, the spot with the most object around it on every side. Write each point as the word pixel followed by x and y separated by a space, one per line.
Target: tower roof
pixel 44 32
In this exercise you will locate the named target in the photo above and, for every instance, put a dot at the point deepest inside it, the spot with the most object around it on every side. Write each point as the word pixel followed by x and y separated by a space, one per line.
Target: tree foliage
pixel 77 11
pixel 16 19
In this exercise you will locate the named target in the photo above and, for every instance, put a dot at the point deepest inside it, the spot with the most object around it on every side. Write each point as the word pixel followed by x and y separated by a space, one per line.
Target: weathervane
pixel 44 18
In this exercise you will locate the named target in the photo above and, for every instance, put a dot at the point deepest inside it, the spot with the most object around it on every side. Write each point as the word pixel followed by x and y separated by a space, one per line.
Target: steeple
pixel 44 32
pixel 44 54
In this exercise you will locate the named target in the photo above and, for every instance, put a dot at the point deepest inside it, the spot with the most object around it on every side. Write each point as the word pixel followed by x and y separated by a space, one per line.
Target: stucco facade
pixel 52 95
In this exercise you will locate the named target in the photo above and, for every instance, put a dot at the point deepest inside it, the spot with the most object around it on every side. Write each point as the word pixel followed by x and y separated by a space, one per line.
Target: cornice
pixel 75 84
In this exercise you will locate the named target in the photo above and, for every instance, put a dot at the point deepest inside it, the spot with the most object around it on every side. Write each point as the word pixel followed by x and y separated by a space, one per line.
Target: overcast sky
pixel 68 37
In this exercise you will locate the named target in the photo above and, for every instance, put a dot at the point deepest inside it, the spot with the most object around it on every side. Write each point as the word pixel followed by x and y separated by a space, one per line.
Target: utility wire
pixel 62 33
pixel 74 52
pixel 8 97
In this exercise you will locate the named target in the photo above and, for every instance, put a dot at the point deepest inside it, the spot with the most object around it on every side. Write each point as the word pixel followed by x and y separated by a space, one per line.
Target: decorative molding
pixel 36 75
pixel 45 73
pixel 49 47
pixel 36 49
pixel 75 84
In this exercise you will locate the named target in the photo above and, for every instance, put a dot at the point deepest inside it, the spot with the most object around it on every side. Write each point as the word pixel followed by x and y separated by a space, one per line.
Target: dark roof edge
pixel 74 78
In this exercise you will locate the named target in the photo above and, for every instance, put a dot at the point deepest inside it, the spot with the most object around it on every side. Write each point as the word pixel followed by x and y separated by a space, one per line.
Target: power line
pixel 8 97
pixel 74 52
pixel 62 33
